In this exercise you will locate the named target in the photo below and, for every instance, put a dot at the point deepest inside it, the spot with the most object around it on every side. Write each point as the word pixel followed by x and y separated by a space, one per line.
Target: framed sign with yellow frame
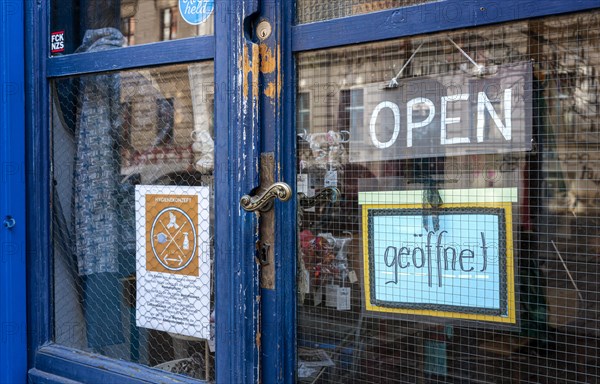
pixel 454 261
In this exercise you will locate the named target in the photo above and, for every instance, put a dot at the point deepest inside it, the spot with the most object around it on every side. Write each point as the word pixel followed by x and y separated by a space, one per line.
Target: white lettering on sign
pixel 57 42
pixel 196 11
pixel 410 125
pixel 197 7
pixel 484 102
pixel 444 140
pixel 372 125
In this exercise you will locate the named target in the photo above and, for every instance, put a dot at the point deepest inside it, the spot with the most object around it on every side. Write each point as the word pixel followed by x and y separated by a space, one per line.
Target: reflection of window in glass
pixel 303 112
pixel 165 119
pixel 168 23
pixel 351 109
pixel 128 30
pixel 127 119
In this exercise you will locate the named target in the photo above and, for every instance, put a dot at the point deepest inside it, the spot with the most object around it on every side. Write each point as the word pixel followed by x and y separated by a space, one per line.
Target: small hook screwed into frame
pixel 9 222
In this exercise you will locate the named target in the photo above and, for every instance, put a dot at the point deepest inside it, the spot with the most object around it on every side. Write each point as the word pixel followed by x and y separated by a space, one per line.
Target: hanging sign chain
pixel 394 82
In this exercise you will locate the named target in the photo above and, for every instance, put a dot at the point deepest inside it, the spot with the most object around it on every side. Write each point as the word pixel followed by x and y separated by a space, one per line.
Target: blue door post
pixel 13 333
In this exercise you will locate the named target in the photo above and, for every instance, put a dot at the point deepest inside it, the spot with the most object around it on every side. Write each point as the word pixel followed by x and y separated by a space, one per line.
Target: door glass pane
pixel 132 197
pixel 449 218
pixel 76 24
pixel 308 11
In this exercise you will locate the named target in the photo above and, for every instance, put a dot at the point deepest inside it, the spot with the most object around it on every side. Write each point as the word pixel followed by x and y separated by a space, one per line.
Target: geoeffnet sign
pixel 462 269
pixel 446 116
pixel 173 259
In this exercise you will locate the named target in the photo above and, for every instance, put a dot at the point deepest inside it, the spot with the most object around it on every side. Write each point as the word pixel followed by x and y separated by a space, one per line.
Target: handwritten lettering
pixel 446 258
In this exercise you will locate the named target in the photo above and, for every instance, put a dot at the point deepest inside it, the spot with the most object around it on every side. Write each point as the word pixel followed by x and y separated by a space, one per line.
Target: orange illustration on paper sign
pixel 171 234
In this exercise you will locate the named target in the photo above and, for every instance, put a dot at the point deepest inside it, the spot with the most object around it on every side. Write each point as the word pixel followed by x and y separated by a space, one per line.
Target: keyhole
pixel 263 30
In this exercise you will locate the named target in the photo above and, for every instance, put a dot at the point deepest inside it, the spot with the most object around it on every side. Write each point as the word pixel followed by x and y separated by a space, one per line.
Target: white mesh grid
pixel 554 213
pixel 111 133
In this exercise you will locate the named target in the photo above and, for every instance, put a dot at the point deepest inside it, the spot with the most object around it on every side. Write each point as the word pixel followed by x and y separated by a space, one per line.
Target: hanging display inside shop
pixel 460 268
pixel 449 115
pixel 173 260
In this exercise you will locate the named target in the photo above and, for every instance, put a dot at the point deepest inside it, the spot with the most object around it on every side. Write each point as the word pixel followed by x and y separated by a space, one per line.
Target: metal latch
pixel 263 204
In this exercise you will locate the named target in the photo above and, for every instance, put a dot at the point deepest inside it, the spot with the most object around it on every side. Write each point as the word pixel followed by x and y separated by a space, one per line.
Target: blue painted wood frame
pixel 278 136
pixel 48 362
pixel 161 53
pixel 236 156
pixel 425 18
pixel 236 173
pixel 13 324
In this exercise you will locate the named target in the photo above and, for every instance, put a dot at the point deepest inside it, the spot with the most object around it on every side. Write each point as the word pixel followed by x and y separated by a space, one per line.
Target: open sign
pixel 447 115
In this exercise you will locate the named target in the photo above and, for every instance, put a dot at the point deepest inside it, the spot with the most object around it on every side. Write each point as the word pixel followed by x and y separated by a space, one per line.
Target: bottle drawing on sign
pixel 186 241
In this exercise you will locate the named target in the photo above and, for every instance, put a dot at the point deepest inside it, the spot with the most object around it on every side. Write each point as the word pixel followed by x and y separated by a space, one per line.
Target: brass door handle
pixel 264 202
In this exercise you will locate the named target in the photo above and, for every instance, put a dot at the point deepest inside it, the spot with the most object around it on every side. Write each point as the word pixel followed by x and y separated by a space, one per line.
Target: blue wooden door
pixel 12 189
pixel 131 99
pixel 342 61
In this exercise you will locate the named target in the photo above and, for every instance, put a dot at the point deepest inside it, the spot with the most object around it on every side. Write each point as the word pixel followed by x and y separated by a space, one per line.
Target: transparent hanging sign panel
pixel 124 23
pixel 132 199
pixel 448 115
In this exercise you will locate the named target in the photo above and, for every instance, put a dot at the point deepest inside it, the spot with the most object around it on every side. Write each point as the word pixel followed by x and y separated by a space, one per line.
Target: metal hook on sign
pixel 304 135
pixel 394 82
pixel 480 69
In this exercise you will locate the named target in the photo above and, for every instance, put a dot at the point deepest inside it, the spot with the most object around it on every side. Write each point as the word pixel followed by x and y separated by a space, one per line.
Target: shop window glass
pixel 303 112
pixel 127 119
pixel 132 165
pixel 308 11
pixel 125 22
pixel 128 30
pixel 165 117
pixel 393 287
pixel 351 109
pixel 168 24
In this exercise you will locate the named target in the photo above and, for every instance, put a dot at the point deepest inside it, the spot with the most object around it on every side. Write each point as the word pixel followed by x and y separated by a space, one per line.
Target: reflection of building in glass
pixel 128 30
pixel 165 118
pixel 152 21
pixel 167 126
pixel 168 24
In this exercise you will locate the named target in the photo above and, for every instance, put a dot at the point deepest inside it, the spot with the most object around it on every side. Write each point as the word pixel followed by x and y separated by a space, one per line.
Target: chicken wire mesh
pixel 551 245
pixel 118 139
pixel 308 11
